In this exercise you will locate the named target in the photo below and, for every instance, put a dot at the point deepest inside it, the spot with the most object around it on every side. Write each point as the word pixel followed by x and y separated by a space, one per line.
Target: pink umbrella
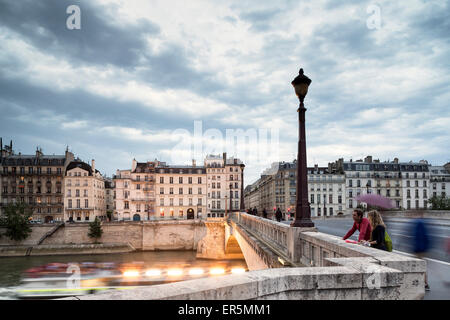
pixel 376 200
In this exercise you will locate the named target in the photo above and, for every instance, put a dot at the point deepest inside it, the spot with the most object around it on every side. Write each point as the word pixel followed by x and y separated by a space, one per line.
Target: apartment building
pixel 135 191
pixel 36 180
pixel 277 189
pixel 85 197
pixel 225 186
pixel 181 191
pixel 156 190
pixel 110 196
pixel 440 180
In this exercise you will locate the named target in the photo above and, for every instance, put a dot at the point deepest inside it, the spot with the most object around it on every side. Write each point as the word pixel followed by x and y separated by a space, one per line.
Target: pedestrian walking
pixel 278 215
pixel 255 211
pixel 377 237
pixel 421 241
pixel 361 224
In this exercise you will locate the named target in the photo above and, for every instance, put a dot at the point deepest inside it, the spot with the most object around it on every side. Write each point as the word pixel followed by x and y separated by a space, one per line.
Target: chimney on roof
pixel 133 165
pixel 193 163
pixel 93 166
pixel 395 160
pixel 224 158
pixel 368 159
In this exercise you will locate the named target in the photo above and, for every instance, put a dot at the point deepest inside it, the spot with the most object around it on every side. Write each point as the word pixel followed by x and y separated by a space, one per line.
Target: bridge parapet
pixel 281 238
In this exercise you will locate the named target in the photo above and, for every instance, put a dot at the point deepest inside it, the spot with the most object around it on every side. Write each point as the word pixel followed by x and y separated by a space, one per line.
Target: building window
pixel 199 201
pixel 408 193
pixel 161 201
pixel 171 191
pixel 190 180
pixel 330 198
pixel 171 201
pixel 312 199
pixel 190 190
pixel 86 203
pixel 180 179
pixel 171 180
pixel 70 203
pixel 161 190
pixel 180 201
pixel 424 193
pixel 161 179
pixel 180 191
pixel 127 205
pixel 78 204
pixel 199 190
pixel 199 180
pixel 138 187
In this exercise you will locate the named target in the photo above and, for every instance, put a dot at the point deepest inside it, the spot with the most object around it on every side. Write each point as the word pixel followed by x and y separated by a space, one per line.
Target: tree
pixel 109 214
pixel 16 221
pixel 95 229
pixel 439 203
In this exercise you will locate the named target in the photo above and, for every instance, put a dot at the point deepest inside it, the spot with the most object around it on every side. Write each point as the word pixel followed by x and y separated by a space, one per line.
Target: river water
pixel 12 268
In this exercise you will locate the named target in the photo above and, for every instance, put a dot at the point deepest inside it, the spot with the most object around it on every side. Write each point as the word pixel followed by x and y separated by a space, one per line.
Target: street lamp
pixel 303 210
pixel 231 197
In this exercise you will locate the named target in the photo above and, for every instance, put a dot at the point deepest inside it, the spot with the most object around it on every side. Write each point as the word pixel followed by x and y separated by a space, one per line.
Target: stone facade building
pixel 181 191
pixel 440 180
pixel 84 192
pixel 277 189
pixel 162 191
pixel 110 196
pixel 225 185
pixel 135 191
pixel 36 180
pixel 334 189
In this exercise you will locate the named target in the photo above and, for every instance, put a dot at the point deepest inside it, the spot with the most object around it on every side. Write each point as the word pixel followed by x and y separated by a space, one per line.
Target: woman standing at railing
pixel 378 231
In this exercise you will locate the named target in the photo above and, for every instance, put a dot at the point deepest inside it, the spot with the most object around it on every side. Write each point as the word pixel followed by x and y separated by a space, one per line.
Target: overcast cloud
pixel 132 81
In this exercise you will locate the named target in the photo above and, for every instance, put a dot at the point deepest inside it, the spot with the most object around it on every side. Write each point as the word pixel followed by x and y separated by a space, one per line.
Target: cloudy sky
pixel 175 80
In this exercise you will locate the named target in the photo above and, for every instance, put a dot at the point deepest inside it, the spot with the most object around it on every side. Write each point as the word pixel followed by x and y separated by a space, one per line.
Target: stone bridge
pixel 290 263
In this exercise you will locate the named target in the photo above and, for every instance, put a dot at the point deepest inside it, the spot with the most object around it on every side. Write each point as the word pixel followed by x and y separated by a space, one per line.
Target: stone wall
pixel 142 235
pixel 64 249
pixel 322 283
pixel 37 232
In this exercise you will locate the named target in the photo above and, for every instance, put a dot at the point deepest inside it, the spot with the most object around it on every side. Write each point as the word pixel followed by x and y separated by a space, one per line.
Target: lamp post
pixel 303 210
pixel 231 197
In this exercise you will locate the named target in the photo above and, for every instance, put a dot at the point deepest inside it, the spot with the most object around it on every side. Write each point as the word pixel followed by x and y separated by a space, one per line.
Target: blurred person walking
pixel 421 241
pixel 264 213
pixel 278 215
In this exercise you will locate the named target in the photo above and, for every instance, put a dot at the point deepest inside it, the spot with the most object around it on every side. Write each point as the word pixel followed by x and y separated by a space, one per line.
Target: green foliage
pixel 16 221
pixel 95 229
pixel 439 203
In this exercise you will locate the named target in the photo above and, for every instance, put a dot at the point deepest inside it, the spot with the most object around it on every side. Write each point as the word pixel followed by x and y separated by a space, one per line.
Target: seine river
pixel 12 268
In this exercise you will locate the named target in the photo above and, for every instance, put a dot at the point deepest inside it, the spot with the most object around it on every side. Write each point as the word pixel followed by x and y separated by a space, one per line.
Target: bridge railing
pixel 274 233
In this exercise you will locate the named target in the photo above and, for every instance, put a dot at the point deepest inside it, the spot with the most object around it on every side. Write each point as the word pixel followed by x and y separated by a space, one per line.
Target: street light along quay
pixel 303 210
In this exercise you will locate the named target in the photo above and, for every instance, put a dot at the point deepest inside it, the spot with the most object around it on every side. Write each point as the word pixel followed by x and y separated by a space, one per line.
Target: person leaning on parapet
pixel 361 224
pixel 378 231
